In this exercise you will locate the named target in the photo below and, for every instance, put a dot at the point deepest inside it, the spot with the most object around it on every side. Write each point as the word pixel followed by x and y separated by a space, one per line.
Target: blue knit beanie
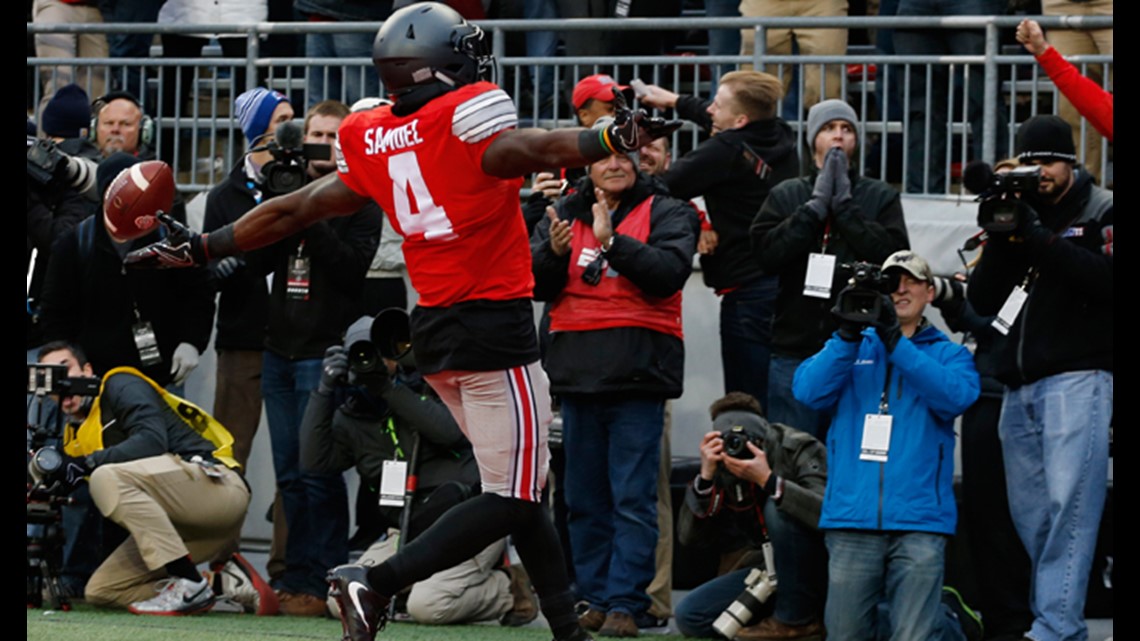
pixel 255 109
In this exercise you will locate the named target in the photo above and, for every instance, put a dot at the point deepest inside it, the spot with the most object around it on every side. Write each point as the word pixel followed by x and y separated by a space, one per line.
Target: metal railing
pixel 199 137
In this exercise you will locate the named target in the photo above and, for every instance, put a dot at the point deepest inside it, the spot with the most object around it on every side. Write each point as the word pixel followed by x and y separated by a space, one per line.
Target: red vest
pixel 615 301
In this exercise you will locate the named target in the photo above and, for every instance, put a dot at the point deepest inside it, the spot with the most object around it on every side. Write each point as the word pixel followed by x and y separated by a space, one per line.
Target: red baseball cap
pixel 598 86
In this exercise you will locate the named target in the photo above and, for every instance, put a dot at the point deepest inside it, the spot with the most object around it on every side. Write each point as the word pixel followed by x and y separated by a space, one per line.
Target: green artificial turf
pixel 86 623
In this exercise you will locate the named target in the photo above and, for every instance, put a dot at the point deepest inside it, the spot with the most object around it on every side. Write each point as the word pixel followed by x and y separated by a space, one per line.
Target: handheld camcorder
pixel 862 299
pixel 286 172
pixel 1000 208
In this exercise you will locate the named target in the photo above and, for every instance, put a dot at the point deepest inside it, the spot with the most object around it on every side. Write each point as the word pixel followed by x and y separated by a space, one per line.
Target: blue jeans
pixel 344 83
pixel 746 337
pixel 783 406
pixel 1054 437
pixel 613 448
pixel 722 42
pixel 904 569
pixel 316 505
pixel 926 149
pixel 801 570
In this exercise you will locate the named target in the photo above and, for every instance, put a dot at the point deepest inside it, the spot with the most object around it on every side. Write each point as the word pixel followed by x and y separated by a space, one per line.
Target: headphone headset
pixel 146 123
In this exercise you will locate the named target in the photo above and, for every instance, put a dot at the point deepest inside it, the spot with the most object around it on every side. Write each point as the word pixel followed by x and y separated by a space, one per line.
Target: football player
pixel 445 163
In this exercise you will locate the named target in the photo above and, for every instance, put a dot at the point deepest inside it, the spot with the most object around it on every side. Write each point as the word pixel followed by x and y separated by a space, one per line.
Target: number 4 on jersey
pixel 428 218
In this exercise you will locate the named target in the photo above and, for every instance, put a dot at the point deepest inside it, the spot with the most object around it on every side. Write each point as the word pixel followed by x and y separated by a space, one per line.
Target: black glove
pixel 836 163
pixel 182 247
pixel 823 192
pixel 73 471
pixel 333 369
pixel 632 129
pixel 887 324
pixel 849 330
pixel 376 383
pixel 1031 231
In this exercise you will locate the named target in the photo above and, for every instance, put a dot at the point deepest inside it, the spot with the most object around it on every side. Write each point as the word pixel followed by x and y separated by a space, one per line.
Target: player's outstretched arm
pixel 518 152
pixel 269 222
pixel 283 216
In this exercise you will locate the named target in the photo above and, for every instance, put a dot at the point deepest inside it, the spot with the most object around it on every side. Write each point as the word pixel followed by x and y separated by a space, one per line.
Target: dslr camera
pixel 389 336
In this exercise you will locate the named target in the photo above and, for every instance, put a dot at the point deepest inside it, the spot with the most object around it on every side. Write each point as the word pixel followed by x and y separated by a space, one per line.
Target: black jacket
pixel 723 169
pixel 869 228
pixel 138 423
pixel 621 360
pixel 797 458
pixel 51 212
pixel 91 299
pixel 337 437
pixel 340 251
pixel 1066 323
pixel 243 301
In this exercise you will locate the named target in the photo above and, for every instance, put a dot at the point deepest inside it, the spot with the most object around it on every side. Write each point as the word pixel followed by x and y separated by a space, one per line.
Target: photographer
pixel 1049 279
pixel 370 412
pixel 318 275
pixel 894 385
pixel 162 469
pixel 771 479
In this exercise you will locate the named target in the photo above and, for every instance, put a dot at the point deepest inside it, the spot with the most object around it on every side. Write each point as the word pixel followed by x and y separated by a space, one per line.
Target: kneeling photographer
pixel 372 410
pixel 163 470
pixel 765 479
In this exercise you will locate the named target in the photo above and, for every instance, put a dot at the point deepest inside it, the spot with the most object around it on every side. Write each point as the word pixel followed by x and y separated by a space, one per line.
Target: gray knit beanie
pixel 826 111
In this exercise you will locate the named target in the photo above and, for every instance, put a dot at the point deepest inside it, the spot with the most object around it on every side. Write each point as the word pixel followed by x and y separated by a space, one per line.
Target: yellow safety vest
pixel 89 437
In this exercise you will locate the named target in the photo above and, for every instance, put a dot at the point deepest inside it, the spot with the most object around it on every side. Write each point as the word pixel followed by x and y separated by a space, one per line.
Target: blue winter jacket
pixel 932 381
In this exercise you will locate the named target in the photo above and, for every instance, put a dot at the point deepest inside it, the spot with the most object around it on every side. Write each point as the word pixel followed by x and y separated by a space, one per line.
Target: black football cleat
pixel 363 611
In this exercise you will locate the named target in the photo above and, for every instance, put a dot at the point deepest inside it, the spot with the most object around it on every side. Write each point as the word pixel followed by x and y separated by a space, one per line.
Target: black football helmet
pixel 429 42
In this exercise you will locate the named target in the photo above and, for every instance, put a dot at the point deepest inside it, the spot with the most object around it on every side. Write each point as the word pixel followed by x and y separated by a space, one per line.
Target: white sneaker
pixel 177 596
pixel 240 583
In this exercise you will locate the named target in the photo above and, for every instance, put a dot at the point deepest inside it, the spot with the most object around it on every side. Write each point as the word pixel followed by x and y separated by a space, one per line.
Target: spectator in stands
pixel 1072 42
pixel 825 220
pixel 1084 94
pixel 927 138
pixel 809 42
pixel 337 82
pixel 750 152
pixel 66 45
pixel 613 258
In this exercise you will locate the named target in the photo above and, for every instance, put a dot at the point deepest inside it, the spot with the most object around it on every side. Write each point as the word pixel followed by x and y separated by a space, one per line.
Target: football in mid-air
pixel 136 197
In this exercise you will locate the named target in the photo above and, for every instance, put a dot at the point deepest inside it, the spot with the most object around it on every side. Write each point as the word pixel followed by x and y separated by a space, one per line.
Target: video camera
pixel 44 458
pixel 286 172
pixel 1001 209
pixel 47 491
pixel 388 337
pixel 862 299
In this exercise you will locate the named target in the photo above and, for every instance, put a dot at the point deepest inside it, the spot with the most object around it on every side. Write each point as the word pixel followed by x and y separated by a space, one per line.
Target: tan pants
pixel 469 592
pixel 171 509
pixel 812 42
pixel 237 398
pixel 1071 43
pixel 65 45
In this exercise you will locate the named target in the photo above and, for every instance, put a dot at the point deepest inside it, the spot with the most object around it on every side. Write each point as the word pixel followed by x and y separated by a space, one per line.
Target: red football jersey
pixel 464 234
